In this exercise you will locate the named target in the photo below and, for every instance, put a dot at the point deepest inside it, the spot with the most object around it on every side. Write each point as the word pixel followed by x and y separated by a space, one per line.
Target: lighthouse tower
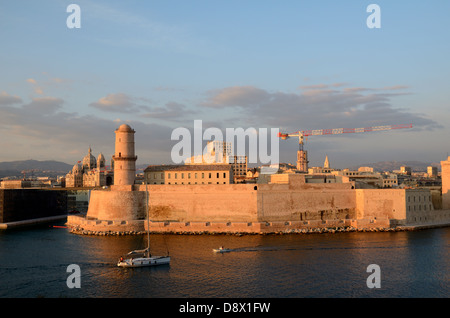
pixel 124 156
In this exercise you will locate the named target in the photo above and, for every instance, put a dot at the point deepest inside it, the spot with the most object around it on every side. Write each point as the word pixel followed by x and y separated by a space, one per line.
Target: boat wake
pixel 304 248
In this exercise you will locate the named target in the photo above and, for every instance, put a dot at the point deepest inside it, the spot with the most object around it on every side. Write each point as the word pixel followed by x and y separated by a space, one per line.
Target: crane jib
pixel 337 131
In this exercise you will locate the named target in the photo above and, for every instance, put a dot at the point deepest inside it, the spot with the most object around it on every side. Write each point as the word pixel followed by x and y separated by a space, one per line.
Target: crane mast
pixel 302 155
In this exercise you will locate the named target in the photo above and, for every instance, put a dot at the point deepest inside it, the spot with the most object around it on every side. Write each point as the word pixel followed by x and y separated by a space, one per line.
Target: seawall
pixel 81 225
pixel 18 206
pixel 294 206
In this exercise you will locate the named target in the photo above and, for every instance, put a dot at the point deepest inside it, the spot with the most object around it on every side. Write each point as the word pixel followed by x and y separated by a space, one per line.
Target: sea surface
pixel 34 264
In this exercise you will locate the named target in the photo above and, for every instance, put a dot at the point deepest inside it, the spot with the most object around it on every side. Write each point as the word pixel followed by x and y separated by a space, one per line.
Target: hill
pixel 33 167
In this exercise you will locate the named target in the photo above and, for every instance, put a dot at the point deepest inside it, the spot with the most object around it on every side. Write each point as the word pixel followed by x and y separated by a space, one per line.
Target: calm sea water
pixel 33 263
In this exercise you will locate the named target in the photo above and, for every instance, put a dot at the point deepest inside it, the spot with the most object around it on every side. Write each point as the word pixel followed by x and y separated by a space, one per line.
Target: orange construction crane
pixel 302 157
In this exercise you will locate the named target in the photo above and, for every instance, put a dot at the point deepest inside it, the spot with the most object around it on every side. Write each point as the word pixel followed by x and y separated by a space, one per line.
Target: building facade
pixel 445 175
pixel 90 172
pixel 189 174
pixel 220 152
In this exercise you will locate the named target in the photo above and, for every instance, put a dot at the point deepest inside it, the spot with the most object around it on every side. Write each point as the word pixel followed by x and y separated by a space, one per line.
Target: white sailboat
pixel 146 258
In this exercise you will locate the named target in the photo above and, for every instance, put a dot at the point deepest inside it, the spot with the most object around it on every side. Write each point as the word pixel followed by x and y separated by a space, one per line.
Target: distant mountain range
pixel 53 168
pixel 33 168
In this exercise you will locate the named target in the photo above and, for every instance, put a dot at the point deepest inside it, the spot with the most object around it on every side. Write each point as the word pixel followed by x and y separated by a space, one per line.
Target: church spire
pixel 326 164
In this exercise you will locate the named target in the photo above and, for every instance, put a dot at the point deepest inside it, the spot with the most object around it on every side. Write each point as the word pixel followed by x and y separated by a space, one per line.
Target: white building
pixel 221 152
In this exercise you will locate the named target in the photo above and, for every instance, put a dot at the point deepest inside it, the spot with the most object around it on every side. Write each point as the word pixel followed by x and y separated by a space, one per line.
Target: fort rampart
pixel 256 208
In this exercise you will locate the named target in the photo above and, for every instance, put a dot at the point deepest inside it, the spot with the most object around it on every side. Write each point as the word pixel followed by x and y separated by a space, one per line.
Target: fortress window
pixel 224 174
pixel 176 175
pixel 182 176
pixel 217 175
pixel 189 175
pixel 196 176
pixel 210 175
pixel 203 175
pixel 168 176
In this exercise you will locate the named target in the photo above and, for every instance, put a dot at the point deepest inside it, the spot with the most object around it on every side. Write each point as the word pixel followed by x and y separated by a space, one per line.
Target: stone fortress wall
pixel 258 208
pixel 288 203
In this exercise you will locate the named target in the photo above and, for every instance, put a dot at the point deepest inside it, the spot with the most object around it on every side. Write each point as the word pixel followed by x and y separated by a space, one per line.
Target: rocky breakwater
pixel 82 231
pixel 330 230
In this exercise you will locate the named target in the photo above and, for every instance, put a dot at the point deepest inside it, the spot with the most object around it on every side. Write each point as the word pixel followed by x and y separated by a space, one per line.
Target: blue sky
pixel 158 65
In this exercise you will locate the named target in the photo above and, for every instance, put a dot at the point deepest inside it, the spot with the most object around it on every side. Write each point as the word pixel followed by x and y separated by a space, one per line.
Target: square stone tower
pixel 445 175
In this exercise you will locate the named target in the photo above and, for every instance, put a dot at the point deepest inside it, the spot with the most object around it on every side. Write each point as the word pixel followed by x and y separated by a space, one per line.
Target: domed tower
pixel 89 161
pixel 101 162
pixel 77 175
pixel 124 157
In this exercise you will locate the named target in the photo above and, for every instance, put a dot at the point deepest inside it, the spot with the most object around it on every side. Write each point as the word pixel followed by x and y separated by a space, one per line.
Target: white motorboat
pixel 221 250
pixel 145 259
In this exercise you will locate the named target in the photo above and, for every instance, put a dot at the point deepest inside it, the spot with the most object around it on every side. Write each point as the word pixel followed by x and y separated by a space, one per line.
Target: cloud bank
pixel 43 126
pixel 318 106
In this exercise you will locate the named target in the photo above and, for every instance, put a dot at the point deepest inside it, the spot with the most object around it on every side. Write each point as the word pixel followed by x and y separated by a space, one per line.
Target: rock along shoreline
pixel 80 231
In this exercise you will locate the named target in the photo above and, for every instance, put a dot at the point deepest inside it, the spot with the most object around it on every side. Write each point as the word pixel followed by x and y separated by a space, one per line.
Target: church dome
pixel 89 160
pixel 76 168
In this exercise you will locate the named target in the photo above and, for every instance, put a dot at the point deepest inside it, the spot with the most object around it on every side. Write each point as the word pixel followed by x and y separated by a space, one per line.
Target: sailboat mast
pixel 148 221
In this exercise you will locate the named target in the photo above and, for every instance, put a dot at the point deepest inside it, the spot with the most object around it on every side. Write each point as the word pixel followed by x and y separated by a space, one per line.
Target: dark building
pixel 26 204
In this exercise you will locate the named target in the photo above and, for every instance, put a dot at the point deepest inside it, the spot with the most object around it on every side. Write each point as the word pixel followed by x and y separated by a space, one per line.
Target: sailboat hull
pixel 144 261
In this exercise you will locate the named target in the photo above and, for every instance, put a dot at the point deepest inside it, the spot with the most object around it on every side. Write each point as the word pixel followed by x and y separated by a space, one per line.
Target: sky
pixel 160 65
